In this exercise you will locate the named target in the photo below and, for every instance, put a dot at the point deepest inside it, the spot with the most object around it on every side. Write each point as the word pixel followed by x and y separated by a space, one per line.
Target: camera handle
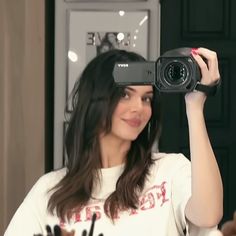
pixel 209 90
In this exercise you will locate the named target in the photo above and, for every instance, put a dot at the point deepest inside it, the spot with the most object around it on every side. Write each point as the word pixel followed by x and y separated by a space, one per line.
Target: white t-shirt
pixel 160 213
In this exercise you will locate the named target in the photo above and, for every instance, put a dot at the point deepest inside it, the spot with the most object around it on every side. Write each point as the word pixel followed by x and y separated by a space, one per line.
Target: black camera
pixel 174 71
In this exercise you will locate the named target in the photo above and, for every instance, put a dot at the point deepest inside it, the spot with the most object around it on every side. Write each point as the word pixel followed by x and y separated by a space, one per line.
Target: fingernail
pixel 194 51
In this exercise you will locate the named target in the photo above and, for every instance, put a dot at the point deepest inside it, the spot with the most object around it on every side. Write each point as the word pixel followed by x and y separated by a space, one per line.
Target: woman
pixel 111 170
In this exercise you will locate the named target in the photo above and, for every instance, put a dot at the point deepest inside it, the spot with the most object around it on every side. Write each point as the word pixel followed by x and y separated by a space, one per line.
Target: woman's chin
pixel 130 137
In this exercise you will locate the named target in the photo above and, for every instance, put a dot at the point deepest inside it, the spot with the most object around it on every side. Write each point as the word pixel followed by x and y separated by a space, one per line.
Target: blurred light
pixel 72 56
pixel 143 20
pixel 135 37
pixel 136 31
pixel 121 13
pixel 120 36
pixel 134 45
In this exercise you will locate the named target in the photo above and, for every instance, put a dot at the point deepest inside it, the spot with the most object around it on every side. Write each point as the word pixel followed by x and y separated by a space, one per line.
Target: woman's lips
pixel 133 122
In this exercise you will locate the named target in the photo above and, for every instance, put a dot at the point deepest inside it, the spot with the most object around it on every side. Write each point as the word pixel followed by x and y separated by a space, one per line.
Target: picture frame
pixel 92 32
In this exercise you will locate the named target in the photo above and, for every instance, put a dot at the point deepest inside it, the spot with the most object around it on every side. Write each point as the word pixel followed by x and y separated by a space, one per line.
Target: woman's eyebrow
pixel 134 90
pixel 149 92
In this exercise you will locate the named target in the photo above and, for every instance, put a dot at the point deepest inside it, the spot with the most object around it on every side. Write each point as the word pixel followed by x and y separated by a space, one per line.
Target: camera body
pixel 174 71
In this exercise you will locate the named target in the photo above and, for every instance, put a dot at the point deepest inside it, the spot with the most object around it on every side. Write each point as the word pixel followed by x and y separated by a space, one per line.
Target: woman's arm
pixel 205 207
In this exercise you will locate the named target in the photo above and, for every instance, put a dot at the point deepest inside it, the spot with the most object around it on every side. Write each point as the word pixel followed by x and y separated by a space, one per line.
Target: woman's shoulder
pixel 170 162
pixel 54 174
pixel 48 180
pixel 167 167
pixel 169 157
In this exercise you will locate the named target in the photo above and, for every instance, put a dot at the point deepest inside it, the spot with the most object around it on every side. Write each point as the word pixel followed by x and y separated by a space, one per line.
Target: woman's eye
pixel 147 99
pixel 125 95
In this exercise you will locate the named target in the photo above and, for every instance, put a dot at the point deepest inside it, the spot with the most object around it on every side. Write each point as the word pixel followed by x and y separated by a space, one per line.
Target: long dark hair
pixel 95 97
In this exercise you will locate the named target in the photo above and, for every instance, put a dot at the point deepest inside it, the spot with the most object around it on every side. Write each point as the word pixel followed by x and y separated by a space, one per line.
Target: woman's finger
pixel 57 230
pixel 49 230
pixel 212 60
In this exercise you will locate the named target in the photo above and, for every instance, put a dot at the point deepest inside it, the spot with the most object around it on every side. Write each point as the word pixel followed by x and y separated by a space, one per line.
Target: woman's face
pixel 132 113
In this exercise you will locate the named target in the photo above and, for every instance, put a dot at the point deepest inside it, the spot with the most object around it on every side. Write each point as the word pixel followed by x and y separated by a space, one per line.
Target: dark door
pixel 211 24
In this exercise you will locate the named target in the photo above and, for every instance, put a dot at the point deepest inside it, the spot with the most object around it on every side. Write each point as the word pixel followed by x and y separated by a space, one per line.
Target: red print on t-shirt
pixel 153 197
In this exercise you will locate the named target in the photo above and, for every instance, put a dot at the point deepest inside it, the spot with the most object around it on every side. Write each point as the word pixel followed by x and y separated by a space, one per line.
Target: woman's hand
pixel 208 64
pixel 57 231
pixel 229 227
pixel 66 233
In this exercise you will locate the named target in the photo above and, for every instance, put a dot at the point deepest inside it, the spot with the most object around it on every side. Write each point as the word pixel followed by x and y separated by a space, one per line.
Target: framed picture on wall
pixel 93 32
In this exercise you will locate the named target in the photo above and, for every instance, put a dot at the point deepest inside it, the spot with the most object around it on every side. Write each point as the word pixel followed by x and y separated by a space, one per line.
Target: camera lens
pixel 175 73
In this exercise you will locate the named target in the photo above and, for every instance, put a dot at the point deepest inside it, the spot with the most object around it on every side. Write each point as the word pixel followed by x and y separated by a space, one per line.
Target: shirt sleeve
pixel 181 192
pixel 193 230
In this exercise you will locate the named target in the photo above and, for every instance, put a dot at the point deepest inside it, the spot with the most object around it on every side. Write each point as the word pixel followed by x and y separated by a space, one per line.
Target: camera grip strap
pixel 209 90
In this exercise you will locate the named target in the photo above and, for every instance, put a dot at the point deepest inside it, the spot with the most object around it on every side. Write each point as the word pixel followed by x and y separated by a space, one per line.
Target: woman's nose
pixel 136 104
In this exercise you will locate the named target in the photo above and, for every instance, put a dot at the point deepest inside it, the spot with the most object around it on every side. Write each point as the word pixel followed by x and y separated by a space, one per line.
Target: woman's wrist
pixel 194 110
